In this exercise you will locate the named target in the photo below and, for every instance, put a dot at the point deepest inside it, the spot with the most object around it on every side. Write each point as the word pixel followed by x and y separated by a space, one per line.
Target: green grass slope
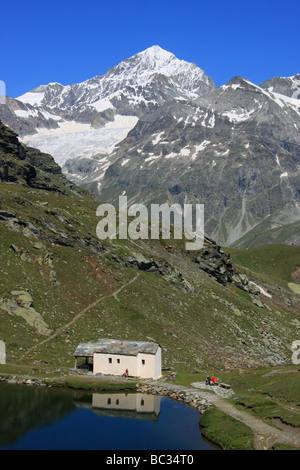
pixel 262 234
pixel 84 289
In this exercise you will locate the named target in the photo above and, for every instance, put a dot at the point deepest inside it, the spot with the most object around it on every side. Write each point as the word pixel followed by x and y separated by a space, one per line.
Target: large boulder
pixel 215 262
pixel 20 303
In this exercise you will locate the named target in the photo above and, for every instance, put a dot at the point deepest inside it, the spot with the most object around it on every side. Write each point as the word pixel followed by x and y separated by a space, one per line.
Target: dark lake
pixel 36 418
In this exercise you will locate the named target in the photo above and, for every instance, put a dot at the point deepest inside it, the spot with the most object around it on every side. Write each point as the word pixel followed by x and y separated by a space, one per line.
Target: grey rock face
pixel 235 148
pixel 288 86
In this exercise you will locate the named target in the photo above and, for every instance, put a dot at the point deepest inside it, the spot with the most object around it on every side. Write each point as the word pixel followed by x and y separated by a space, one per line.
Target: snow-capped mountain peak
pixel 156 127
pixel 143 66
pixel 156 53
pixel 93 113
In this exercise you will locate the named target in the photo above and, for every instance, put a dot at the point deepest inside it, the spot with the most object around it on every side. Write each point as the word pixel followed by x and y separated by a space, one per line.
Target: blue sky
pixel 69 41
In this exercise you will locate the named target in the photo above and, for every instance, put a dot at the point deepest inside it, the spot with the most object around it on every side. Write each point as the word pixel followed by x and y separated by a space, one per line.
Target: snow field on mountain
pixel 73 139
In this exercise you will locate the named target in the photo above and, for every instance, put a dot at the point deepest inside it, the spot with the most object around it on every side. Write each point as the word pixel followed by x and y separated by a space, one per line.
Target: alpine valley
pixel 157 129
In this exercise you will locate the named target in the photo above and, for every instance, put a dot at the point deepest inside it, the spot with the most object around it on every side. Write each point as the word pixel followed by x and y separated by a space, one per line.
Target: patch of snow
pixel 238 116
pixel 206 121
pixel 24 113
pixel 199 148
pixel 54 83
pixel 50 116
pixel 31 98
pixel 284 175
pixel 203 121
pixel 157 137
pixel 262 290
pixel 152 158
pixel 211 122
pixel 171 155
pixel 185 152
pixel 102 105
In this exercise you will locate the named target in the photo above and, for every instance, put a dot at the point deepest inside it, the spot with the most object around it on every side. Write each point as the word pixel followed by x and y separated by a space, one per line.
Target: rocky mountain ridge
pixel 156 128
pixel 99 112
pixel 236 150
pixel 28 166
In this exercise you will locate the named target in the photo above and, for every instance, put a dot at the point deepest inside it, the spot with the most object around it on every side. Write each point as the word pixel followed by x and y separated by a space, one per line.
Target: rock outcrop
pixel 159 266
pixel 28 166
pixel 181 394
pixel 214 261
pixel 20 303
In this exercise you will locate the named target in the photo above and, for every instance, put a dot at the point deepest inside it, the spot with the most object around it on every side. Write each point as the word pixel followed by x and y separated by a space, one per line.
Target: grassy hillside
pixel 278 263
pixel 61 286
pixel 84 289
pixel 262 234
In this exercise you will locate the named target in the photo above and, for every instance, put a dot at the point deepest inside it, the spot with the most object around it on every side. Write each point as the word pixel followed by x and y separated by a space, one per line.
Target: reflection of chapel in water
pixel 130 405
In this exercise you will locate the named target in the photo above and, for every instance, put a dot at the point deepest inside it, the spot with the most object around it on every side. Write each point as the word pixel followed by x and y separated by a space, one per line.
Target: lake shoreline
pixel 181 394
pixel 88 385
